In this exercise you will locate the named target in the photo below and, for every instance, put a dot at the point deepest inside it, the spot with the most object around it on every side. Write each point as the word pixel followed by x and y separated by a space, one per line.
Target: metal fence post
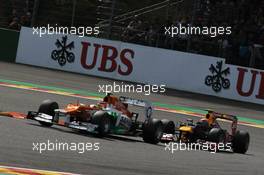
pixel 111 19
pixel 168 10
pixel 73 12
pixel 35 12
pixel 189 41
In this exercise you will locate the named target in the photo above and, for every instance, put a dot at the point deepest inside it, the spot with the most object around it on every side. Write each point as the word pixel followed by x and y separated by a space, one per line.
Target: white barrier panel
pixel 246 85
pixel 130 62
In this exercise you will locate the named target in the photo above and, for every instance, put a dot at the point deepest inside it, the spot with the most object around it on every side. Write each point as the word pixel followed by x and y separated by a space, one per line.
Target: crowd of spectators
pixel 21 14
pixel 243 47
pixel 16 21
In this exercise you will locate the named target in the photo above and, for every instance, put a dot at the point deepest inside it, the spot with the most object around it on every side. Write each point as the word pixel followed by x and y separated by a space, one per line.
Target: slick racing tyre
pixel 200 130
pixel 216 135
pixel 48 107
pixel 240 142
pixel 152 131
pixel 168 126
pixel 103 121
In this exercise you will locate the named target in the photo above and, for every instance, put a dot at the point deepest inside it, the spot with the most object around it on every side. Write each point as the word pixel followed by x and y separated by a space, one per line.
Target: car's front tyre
pixel 48 107
pixel 101 118
pixel 152 131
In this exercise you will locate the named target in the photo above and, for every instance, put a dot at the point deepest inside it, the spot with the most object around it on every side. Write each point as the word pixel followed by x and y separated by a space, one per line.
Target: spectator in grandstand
pixel 14 15
pixel 150 36
pixel 140 30
pixel 25 20
pixel 14 24
pixel 134 32
pixel 129 30
pixel 257 49
pixel 243 48
pixel 166 37
pixel 60 2
pixel 224 46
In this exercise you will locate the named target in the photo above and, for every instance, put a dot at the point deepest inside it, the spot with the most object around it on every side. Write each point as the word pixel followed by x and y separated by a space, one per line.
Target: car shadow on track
pixel 68 130
pixel 86 134
pixel 233 153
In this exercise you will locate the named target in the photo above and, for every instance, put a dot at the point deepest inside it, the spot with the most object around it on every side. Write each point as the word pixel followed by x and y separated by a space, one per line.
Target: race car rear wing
pixel 223 116
pixel 141 103
pixel 227 117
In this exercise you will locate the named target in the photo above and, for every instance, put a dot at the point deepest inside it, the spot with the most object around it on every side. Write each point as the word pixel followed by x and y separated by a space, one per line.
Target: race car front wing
pixel 62 119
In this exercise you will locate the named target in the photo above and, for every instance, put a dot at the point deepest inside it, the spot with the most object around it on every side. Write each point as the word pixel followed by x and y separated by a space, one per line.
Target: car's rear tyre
pixel 168 126
pixel 240 142
pixel 103 121
pixel 152 131
pixel 216 135
pixel 48 107
pixel 200 130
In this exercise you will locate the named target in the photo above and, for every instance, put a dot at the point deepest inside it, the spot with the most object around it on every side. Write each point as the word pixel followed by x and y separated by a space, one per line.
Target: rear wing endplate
pixel 140 103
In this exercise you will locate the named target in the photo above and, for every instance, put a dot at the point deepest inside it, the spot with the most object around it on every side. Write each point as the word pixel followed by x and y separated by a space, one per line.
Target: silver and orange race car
pixel 109 116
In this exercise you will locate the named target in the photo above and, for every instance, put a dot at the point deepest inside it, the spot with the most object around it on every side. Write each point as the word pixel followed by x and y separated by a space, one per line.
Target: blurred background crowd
pixel 143 22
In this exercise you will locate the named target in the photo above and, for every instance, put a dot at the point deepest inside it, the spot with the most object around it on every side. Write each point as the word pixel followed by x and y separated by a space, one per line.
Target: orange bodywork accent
pixel 210 118
pixel 118 105
pixel 70 108
pixel 17 115
pixel 77 109
pixel 109 100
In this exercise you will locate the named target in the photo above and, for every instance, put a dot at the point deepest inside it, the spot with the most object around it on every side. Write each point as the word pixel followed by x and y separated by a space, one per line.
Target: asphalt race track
pixel 117 155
